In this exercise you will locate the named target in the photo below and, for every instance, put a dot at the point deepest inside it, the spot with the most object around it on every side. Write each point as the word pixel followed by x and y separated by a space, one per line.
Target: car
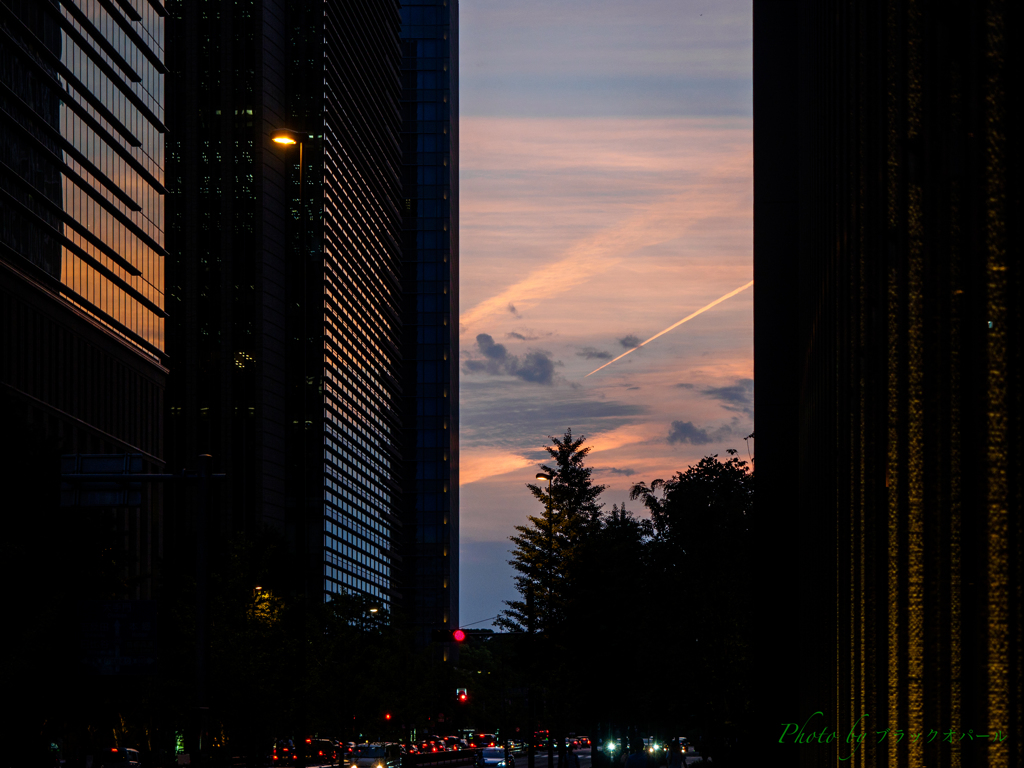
pixel 284 752
pixel 494 757
pixel 320 751
pixel 484 740
pixel 584 741
pixel 375 756
pixel 653 746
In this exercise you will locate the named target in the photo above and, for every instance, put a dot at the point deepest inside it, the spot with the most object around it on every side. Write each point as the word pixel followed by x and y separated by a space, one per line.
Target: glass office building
pixel 287 274
pixel 430 255
pixel 82 353
pixel 361 290
pixel 82 158
pixel 890 373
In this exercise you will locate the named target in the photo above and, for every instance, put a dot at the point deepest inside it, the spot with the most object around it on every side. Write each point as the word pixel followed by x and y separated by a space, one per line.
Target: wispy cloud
pixel 508 414
pixel 512 309
pixel 629 341
pixel 617 191
pixel 592 353
pixel 735 397
pixel 676 324
pixel 642 57
pixel 616 471
pixel 528 336
pixel 481 463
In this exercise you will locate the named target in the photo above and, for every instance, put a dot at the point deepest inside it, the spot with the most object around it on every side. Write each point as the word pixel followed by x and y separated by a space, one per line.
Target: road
pixel 541 760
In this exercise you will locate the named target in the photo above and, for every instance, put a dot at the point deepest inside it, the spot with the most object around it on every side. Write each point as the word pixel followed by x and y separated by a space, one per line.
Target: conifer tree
pixel 547 551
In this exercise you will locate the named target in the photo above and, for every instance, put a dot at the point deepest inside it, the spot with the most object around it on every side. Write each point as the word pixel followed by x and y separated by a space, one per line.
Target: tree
pixel 709 503
pixel 699 559
pixel 547 551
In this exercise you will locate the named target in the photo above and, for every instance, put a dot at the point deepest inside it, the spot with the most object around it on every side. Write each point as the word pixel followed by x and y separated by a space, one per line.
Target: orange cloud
pixel 477 464
pixel 632 184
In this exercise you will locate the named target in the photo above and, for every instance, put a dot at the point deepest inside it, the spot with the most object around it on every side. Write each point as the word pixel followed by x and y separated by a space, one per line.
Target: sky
pixel 606 192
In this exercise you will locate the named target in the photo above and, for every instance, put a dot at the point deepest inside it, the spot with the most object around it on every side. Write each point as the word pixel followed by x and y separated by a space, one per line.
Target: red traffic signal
pixel 460 694
pixel 387 716
pixel 449 636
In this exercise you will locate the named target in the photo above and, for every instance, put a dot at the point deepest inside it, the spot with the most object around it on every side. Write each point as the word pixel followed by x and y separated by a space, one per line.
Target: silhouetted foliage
pixel 643 619
pixel 547 552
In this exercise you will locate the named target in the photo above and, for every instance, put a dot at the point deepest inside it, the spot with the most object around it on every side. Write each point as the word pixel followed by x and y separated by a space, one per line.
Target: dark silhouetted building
pixel 887 225
pixel 430 311
pixel 82 362
pixel 285 275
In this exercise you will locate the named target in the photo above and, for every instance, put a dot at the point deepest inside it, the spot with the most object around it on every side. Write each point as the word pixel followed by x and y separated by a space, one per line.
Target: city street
pixel 541 760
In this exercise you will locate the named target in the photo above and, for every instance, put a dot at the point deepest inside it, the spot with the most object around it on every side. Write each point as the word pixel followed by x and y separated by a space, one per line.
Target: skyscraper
pixel 430 255
pixel 285 265
pixel 888 361
pixel 82 361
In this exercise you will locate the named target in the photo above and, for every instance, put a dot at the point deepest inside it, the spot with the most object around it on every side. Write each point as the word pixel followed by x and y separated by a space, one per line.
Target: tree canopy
pixel 548 551
pixel 619 600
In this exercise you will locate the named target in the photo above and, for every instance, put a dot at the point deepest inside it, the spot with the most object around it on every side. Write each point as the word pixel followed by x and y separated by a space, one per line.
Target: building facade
pixel 359 361
pixel 285 261
pixel 82 353
pixel 888 361
pixel 430 312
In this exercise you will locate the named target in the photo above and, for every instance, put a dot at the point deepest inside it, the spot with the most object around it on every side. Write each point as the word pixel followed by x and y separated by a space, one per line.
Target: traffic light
pixel 449 636
pixel 461 695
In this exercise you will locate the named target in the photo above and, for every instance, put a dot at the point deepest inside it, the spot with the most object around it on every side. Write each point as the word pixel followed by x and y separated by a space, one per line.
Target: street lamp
pixel 551 557
pixel 551 543
pixel 286 138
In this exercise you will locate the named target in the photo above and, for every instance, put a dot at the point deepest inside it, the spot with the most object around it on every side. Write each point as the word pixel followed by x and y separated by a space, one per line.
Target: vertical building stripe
pixel 998 492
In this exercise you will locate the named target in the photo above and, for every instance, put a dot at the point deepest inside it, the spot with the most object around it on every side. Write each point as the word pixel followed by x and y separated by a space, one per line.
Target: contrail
pixel 729 295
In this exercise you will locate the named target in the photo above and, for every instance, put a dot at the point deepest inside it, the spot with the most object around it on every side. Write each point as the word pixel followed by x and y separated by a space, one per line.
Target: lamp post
pixel 284 138
pixel 551 547
pixel 550 589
